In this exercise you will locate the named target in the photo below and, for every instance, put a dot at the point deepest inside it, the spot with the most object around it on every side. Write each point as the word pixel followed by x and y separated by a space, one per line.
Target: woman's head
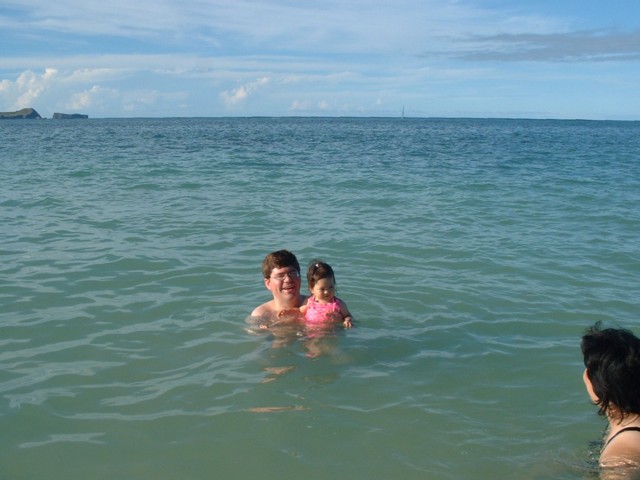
pixel 612 361
pixel 321 279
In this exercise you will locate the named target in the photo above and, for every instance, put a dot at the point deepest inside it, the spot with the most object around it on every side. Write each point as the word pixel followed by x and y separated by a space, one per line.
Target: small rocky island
pixel 31 114
pixel 69 116
pixel 28 113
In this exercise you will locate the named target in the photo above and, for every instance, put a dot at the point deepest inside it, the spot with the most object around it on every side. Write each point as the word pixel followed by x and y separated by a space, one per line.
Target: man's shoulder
pixel 264 309
pixel 269 307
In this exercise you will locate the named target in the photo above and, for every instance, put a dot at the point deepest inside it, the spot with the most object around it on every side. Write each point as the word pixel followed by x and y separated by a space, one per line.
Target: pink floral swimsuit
pixel 321 314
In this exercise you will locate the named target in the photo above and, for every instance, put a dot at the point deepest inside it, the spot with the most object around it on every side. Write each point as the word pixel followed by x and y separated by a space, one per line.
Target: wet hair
pixel 318 270
pixel 612 359
pixel 279 259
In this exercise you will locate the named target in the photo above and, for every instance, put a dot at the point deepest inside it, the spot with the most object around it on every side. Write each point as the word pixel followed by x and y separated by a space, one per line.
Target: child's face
pixel 324 290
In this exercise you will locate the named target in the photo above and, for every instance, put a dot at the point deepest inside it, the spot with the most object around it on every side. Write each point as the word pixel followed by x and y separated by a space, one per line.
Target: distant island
pixel 31 114
pixel 69 116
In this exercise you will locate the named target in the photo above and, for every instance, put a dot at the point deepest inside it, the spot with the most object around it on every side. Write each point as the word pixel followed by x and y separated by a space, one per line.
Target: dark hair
pixel 612 359
pixel 318 270
pixel 279 259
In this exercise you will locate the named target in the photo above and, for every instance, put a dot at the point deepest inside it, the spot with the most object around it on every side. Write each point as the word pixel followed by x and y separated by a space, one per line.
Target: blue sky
pixel 443 58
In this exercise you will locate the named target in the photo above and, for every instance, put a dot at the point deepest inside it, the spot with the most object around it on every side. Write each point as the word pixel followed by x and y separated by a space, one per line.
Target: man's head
pixel 281 272
pixel 279 260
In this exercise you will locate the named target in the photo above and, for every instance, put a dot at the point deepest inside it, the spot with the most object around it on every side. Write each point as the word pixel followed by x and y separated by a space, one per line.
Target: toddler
pixel 323 307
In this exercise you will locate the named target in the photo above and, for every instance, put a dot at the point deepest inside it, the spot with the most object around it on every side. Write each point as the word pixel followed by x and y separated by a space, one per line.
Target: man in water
pixel 281 272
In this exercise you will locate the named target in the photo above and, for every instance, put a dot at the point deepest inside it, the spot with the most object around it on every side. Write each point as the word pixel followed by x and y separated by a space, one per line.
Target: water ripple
pixel 472 254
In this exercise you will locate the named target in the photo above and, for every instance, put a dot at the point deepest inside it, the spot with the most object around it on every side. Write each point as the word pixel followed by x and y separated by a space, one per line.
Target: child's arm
pixel 347 319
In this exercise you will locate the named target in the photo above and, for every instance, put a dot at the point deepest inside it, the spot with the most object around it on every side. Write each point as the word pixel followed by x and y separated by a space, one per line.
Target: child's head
pixel 612 361
pixel 321 280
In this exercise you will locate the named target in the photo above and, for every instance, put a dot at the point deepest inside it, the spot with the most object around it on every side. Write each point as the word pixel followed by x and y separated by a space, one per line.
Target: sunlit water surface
pixel 472 253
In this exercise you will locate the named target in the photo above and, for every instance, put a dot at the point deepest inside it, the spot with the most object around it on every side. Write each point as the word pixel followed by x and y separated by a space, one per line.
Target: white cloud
pixel 91 75
pixel 145 102
pixel 135 99
pixel 87 98
pixel 299 106
pixel 235 96
pixel 53 86
pixel 308 106
pixel 240 94
pixel 588 46
pixel 27 88
pixel 332 26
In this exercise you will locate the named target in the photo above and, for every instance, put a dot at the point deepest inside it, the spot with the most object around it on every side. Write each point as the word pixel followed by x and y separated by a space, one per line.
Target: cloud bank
pixel 277 57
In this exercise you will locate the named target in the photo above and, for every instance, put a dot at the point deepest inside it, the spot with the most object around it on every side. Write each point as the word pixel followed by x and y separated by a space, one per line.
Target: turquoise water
pixel 472 253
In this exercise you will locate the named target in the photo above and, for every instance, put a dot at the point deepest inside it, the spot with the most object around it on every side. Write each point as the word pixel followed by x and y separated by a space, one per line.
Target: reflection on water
pixel 620 473
pixel 287 331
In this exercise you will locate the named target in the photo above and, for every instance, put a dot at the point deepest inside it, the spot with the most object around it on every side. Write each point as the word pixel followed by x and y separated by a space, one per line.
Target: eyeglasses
pixel 293 275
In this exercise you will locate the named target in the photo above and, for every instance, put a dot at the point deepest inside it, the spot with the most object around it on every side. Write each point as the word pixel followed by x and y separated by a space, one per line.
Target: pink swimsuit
pixel 320 314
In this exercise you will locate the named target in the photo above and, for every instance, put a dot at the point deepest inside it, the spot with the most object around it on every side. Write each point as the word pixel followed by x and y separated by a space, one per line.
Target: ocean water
pixel 472 254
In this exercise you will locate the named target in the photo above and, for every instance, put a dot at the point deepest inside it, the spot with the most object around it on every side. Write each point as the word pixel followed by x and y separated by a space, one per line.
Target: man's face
pixel 284 283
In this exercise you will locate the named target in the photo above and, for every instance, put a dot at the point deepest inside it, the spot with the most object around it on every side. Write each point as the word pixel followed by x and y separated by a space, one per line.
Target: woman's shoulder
pixel 624 449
